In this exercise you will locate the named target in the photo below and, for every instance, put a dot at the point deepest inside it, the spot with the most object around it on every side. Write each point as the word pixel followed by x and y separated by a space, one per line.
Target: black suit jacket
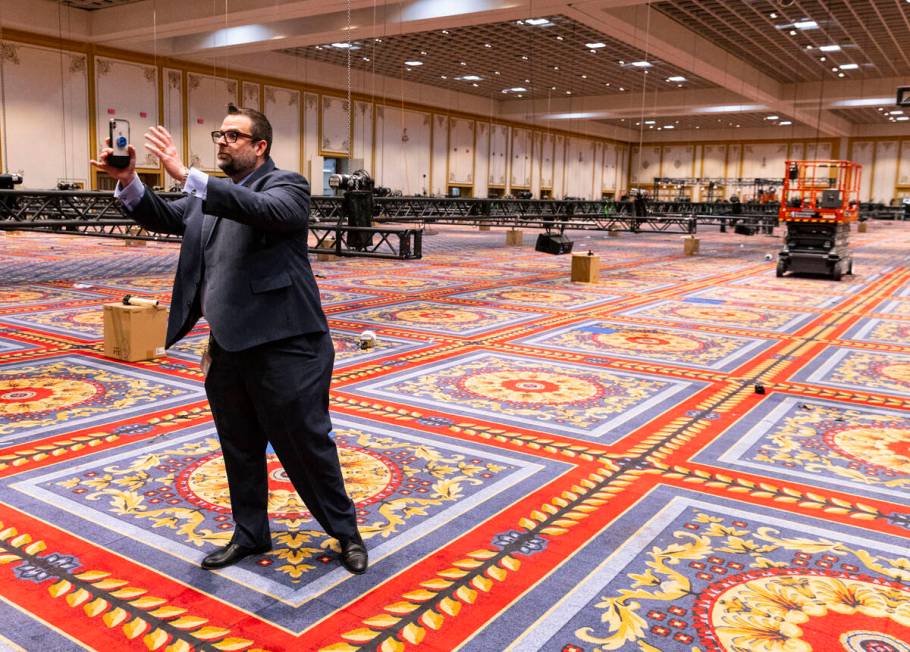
pixel 252 239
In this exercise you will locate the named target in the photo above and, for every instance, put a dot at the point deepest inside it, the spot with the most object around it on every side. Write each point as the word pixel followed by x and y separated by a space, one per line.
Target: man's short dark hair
pixel 261 127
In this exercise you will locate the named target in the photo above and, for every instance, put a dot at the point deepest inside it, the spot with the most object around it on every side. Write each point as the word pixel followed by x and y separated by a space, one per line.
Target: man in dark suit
pixel 243 264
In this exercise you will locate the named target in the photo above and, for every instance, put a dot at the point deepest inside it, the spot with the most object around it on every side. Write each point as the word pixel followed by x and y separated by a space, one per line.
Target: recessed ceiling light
pixel 366 58
pixel 895 113
pixel 784 123
pixel 471 78
pixel 555 67
pixel 805 24
pixel 649 122
pixel 676 78
pixel 423 52
pixel 377 40
pixel 462 63
pixel 495 72
pixel 772 117
pixel 810 47
pixel 524 58
pixel 537 21
pixel 621 62
pixel 849 66
pixel 830 48
pixel 343 46
pixel 445 31
pixel 595 46
pixel 823 58
pixel 552 88
pixel 834 69
pixel 475 85
pixel 772 15
pixel 881 108
pixel 515 89
pixel 584 76
pixel 641 64
pixel 444 76
pixel 607 84
pixel 559 38
pixel 568 92
pixel 793 32
pixel 621 88
pixel 902 118
pixel 669 127
pixel 840 74
pixel 413 63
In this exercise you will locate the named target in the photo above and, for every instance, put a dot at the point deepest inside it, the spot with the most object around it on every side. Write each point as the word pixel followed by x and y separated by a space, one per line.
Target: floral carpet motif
pixel 581 400
pixel 714 312
pixel 690 455
pixel 866 371
pixel 655 343
pixel 823 443
pixel 86 323
pixel 437 317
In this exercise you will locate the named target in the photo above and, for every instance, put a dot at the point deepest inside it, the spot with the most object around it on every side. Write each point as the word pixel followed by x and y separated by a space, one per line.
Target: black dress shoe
pixel 354 557
pixel 231 554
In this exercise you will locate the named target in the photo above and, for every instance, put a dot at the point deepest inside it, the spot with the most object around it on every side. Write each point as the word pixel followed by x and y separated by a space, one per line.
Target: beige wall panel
pixel 403 149
pixel 461 151
pixel 536 150
pixel 579 167
pixel 252 97
pixel 520 174
pixel 440 158
pixel 548 161
pixel 677 161
pixel 46 121
pixel 862 153
pixel 335 134
pixel 559 167
pixel 885 171
pixel 499 151
pixel 608 170
pixel 713 161
pixel 173 119
pixel 312 166
pixel 903 169
pixel 645 164
pixel 797 152
pixel 363 134
pixel 764 160
pixel 127 90
pixel 282 107
pixel 482 160
pixel 597 170
pixel 207 99
pixel 622 165
pixel 734 160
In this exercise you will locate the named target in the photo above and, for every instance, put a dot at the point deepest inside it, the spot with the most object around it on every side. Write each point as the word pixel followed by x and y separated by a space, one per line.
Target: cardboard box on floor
pixel 133 333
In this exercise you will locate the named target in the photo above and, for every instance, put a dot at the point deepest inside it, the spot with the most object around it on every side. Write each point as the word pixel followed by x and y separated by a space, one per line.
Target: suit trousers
pixel 278 393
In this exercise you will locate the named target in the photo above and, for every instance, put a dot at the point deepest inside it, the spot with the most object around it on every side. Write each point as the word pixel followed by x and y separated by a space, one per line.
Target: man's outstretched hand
pixel 159 142
pixel 124 175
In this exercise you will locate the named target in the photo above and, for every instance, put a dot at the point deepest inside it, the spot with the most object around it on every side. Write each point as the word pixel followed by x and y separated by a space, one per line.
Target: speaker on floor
pixel 553 244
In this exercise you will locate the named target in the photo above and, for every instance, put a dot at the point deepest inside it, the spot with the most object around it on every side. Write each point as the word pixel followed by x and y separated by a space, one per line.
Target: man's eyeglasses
pixel 230 136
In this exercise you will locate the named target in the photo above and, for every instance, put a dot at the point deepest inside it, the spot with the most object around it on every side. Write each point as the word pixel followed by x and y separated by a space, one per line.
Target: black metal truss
pixel 100 214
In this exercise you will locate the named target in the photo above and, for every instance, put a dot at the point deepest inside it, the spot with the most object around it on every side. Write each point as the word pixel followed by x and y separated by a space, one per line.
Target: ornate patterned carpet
pixel 537 464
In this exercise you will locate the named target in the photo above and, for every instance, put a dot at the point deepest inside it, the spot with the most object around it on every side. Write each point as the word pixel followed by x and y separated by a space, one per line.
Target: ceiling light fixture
pixel 903 118
pixel 343 46
pixel 676 78
pixel 784 123
pixel 595 46
pixel 805 24
pixel 772 117
pixel 537 22
pixel 830 48
pixel 849 66
pixel 641 64
pixel 413 63
pixel 669 127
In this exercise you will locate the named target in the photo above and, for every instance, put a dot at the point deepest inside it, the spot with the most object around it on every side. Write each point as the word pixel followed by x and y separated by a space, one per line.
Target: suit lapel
pixel 209 222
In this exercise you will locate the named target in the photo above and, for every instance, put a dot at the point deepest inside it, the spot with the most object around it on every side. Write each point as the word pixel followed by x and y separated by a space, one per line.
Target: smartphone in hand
pixel 120 140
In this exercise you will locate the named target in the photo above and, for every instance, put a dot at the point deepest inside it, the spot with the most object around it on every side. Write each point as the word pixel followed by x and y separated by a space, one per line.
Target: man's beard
pixel 234 164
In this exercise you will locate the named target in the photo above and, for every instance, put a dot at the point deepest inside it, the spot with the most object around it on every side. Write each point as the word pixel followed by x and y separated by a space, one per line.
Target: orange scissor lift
pixel 819 200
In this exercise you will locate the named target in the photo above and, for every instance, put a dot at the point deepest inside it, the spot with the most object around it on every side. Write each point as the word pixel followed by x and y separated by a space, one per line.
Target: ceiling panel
pixel 550 60
pixel 726 121
pixel 783 39
pixel 874 115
